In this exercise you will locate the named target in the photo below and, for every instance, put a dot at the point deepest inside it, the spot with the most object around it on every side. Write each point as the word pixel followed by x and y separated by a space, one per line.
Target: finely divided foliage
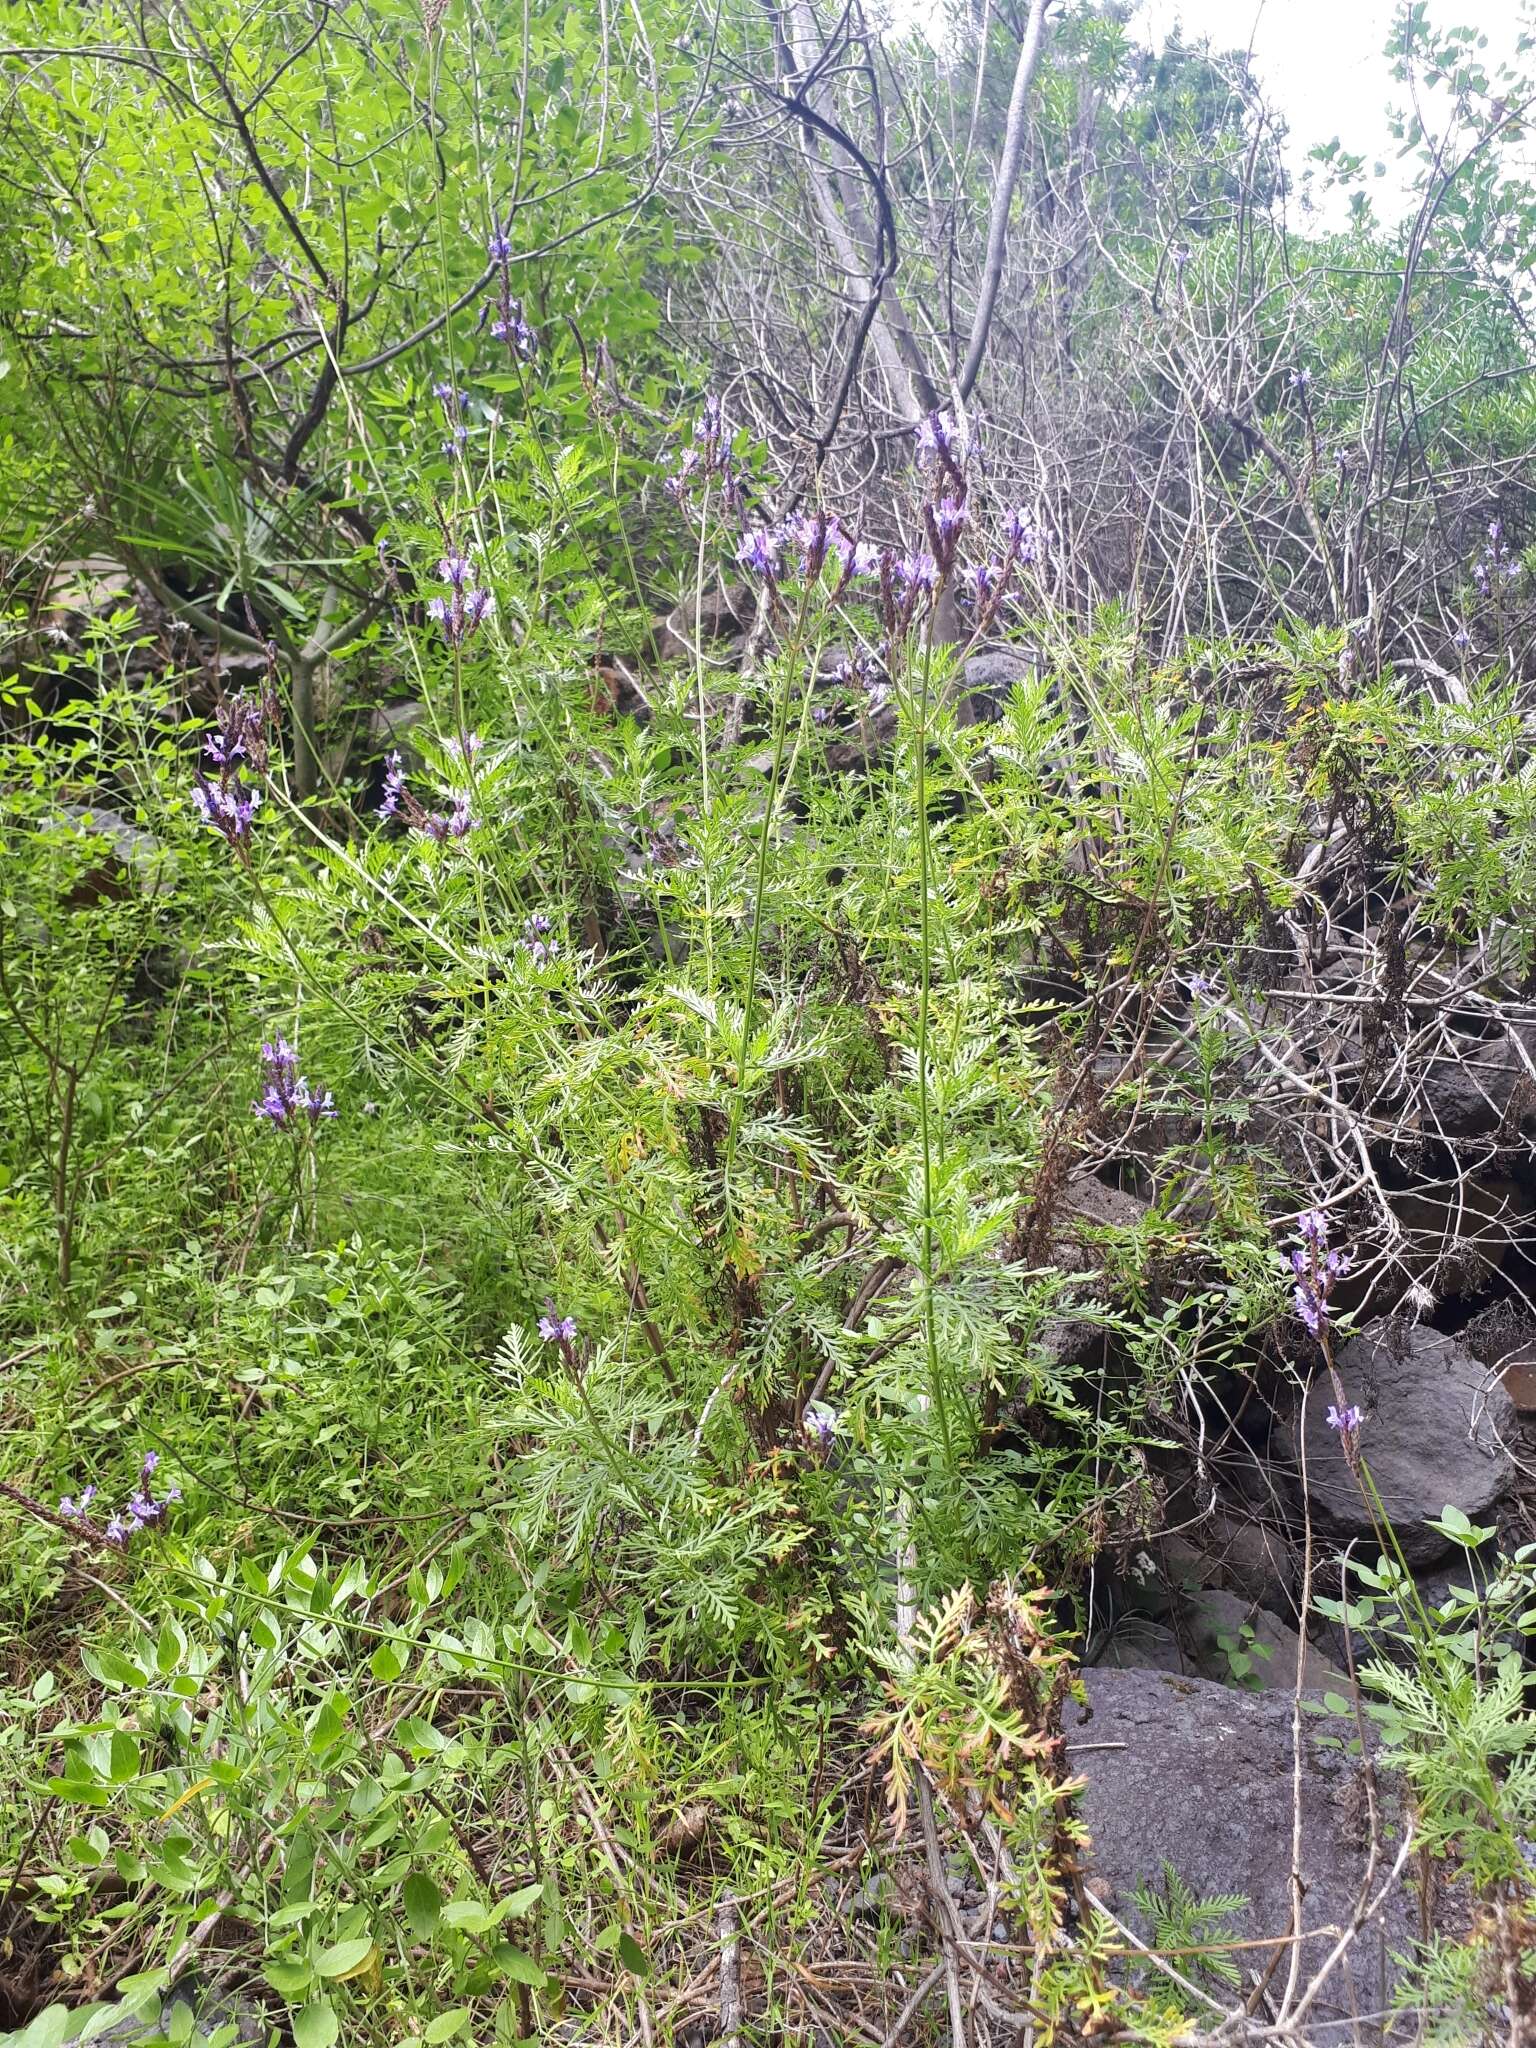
pixel 875 731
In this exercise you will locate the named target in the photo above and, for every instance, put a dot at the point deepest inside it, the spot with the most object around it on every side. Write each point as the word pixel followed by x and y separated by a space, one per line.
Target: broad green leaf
pixel 314 2025
pixel 423 1904
pixel 344 1958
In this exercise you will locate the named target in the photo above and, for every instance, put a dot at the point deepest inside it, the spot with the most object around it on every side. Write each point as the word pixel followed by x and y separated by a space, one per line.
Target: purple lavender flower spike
pixel 394 786
pixel 227 806
pixel 759 553
pixel 286 1097
pixel 1346 1421
pixel 557 1329
pixel 936 435
pixel 916 572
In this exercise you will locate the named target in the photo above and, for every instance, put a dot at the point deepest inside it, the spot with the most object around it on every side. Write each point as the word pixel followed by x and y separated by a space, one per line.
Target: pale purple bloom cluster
pixel 802 545
pixel 942 441
pixel 457 822
pixel 121 1527
pixel 1300 380
pixel 228 805
pixel 1498 563
pixel 287 1100
pixel 917 573
pixel 1316 1268
pixel 453 401
pixel 980 581
pixel 513 329
pixel 466 605
pixel 244 723
pixel 759 553
pixel 557 1329
pixel 537 944
pixel 394 786
pixel 465 750
pixel 820 1421
pixel 1345 1420
pixel 510 325
pixel 708 459
pixel 1025 541
pixel 861 672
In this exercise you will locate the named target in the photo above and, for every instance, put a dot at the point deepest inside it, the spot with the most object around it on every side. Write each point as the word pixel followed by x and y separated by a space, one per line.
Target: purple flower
pixel 227 806
pixel 1203 986
pixel 465 750
pixel 457 822
pixel 759 553
pixel 936 435
pixel 916 572
pixel 820 1421
pixel 244 723
pixel 949 516
pixel 394 786
pixel 1316 1268
pixel 676 484
pixel 709 427
pixel 499 246
pixel 812 534
pixel 1310 1307
pixel 1346 1422
pixel 125 1523
pixel 557 1329
pixel 982 581
pixel 1300 379
pixel 513 329
pixel 537 944
pixel 1023 537
pixel 287 1100
pixel 466 606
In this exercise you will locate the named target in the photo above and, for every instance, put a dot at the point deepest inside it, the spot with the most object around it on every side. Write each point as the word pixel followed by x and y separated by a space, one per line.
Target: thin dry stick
pixel 728 1928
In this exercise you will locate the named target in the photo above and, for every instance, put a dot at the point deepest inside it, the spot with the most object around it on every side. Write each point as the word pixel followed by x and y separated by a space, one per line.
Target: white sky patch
pixel 1323 66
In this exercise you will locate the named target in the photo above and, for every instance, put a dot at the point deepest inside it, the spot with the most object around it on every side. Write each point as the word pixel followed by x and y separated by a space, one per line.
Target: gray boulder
pixel 1182 1772
pixel 1435 1430
pixel 1235 1643
pixel 986 683
pixel 1467 1090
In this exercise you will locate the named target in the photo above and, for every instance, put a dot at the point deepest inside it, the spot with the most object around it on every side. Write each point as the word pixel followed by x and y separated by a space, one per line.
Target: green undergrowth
pixel 474 1666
